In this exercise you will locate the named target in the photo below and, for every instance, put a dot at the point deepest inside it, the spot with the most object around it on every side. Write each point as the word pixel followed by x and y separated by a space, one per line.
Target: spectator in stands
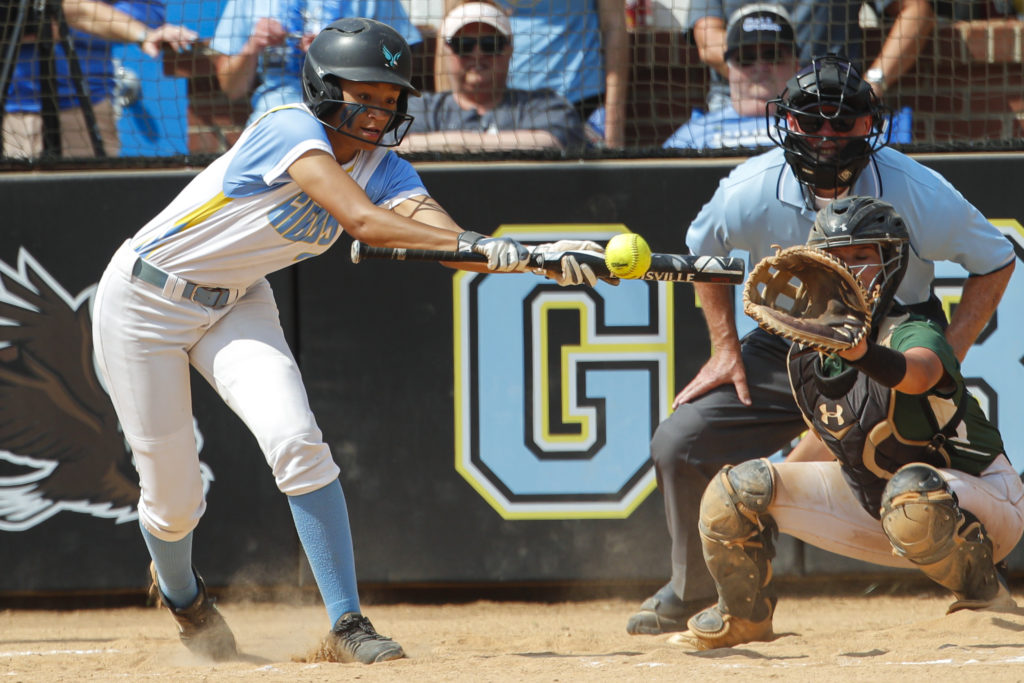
pixel 94 26
pixel 263 43
pixel 480 113
pixel 760 56
pixel 822 26
pixel 579 49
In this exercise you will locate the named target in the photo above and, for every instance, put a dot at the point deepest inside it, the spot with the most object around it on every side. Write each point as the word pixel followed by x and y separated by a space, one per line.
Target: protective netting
pixel 152 82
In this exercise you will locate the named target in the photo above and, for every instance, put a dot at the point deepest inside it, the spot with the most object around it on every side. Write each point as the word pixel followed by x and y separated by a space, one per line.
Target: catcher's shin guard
pixel 738 540
pixel 921 517
pixel 201 627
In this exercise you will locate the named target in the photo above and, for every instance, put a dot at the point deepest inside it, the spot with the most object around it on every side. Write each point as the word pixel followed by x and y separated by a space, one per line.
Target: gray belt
pixel 211 297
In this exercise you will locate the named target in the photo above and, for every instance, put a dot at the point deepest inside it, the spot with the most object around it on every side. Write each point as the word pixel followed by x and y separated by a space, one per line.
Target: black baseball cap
pixel 759 24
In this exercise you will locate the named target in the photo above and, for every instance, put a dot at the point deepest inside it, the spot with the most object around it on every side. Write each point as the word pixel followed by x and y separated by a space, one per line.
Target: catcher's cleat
pixel 712 629
pixel 353 639
pixel 1001 601
pixel 201 627
pixel 663 612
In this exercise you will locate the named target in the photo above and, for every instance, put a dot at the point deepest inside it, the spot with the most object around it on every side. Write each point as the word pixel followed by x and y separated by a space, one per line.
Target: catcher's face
pixel 865 260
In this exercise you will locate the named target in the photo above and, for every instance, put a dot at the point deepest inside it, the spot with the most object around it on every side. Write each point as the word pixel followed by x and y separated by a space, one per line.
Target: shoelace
pixel 358 630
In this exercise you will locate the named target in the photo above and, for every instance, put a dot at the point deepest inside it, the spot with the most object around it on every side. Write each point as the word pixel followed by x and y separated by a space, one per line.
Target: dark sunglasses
pixel 489 45
pixel 748 55
pixel 812 123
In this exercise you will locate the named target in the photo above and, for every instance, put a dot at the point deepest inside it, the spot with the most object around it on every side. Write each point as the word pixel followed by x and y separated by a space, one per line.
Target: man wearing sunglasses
pixel 821 26
pixel 830 130
pixel 481 113
pixel 760 57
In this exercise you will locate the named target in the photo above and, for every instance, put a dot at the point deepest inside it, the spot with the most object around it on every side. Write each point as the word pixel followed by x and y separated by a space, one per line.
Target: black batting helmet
pixel 866 220
pixel 360 50
pixel 828 89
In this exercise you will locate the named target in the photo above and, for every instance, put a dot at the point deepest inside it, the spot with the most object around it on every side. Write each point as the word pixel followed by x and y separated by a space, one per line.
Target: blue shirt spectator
pixel 94 24
pixel 264 42
pixel 480 113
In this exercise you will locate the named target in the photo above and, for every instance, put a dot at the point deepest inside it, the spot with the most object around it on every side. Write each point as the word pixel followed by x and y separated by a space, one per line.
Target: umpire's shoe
pixel 353 639
pixel 712 629
pixel 201 627
pixel 664 612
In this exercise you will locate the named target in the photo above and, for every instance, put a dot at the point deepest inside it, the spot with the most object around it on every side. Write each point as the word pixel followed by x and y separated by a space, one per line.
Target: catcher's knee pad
pixel 738 537
pixel 919 513
pixel 924 523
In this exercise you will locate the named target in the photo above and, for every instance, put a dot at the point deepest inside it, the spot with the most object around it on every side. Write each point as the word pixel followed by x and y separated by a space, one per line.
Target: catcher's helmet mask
pixel 830 89
pixel 865 220
pixel 364 51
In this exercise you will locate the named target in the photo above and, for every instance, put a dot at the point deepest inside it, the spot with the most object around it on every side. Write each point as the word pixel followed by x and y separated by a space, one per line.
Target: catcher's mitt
pixel 810 297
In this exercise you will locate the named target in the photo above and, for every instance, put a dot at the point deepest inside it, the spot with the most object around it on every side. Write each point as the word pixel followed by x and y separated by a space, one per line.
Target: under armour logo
pixel 826 416
pixel 391 58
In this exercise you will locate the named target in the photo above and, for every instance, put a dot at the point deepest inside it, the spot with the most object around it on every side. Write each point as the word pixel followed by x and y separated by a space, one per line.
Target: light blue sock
pixel 321 519
pixel 173 560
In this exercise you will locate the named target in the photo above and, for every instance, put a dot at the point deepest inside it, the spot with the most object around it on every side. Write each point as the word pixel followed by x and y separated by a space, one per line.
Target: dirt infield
pixel 856 638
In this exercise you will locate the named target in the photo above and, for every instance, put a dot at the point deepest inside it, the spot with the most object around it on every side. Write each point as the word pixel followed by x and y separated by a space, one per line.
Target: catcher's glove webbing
pixel 810 297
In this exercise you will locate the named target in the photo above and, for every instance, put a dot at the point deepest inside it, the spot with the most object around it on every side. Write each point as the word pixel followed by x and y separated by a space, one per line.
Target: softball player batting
pixel 919 477
pixel 189 288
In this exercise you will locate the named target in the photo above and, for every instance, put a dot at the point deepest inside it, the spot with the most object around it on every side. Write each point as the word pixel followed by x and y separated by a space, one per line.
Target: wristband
pixel 882 364
pixel 143 36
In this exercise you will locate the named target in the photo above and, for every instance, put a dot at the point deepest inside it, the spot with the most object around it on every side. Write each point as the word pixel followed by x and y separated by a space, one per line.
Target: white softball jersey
pixel 244 217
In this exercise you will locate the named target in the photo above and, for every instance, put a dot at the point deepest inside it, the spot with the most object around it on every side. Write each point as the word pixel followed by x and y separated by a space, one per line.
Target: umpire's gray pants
pixel 716 429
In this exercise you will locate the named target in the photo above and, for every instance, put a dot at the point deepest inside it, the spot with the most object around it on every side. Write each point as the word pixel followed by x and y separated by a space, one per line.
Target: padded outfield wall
pixel 490 429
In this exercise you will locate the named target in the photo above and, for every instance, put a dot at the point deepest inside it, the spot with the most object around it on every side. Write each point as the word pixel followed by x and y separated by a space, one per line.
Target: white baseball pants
pixel 814 503
pixel 145 342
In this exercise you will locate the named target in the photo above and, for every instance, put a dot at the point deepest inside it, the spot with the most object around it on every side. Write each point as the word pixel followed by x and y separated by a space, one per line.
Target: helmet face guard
pixel 853 221
pixel 831 90
pixel 363 51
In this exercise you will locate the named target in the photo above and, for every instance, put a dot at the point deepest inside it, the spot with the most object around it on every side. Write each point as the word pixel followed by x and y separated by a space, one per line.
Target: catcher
pixel 919 477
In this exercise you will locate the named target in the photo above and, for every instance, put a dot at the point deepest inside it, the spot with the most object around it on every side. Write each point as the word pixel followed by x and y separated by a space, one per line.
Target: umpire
pixel 830 132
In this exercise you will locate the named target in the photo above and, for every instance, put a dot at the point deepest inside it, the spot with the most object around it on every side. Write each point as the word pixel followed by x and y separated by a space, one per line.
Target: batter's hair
pixel 828 89
pixel 363 51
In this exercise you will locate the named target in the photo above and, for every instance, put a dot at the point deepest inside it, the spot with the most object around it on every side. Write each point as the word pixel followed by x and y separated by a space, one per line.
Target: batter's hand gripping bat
pixel 665 267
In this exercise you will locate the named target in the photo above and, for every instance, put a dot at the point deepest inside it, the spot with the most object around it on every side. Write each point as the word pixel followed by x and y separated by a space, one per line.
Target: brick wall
pixel 967 86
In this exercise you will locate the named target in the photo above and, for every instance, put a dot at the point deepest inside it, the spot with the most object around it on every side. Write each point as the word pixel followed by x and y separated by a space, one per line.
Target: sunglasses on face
pixel 748 55
pixel 812 123
pixel 489 45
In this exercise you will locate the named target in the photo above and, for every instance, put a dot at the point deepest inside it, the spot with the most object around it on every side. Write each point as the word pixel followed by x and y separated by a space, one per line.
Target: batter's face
pixel 368 122
pixel 477 57
pixel 865 260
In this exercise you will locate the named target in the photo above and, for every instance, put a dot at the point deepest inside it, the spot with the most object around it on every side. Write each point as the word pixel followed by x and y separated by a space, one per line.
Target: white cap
pixel 475 13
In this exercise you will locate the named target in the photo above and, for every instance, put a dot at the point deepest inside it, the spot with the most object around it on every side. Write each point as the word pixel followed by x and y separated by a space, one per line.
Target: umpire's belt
pixel 211 297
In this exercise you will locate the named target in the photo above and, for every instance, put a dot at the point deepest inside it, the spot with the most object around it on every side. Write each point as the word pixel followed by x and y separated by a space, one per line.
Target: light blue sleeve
pixel 944 226
pixel 707 234
pixel 274 138
pixel 237 21
pixel 394 177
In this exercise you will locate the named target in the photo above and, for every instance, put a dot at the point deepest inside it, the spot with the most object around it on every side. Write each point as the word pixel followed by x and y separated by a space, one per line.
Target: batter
pixel 190 289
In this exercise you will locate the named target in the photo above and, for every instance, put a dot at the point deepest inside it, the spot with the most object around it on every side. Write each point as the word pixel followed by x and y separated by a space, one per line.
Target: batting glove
pixel 504 254
pixel 570 269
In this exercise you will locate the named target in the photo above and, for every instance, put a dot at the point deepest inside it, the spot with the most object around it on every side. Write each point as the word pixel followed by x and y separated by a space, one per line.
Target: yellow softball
pixel 627 256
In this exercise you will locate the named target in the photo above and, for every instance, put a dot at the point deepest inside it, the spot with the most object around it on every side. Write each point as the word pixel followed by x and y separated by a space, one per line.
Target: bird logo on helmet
pixel 866 220
pixel 351 49
pixel 831 90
